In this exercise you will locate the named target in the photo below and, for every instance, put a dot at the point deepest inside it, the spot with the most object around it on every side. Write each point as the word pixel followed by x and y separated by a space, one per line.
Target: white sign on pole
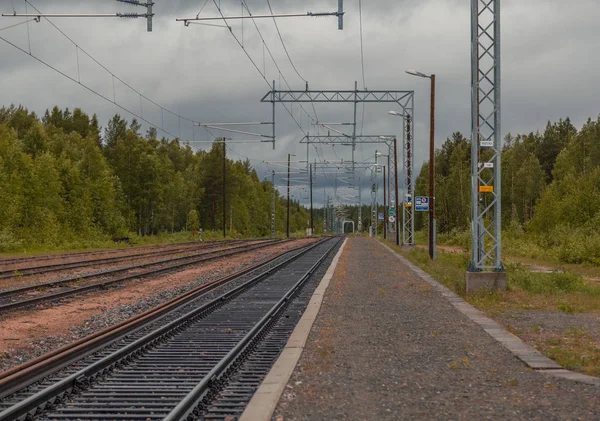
pixel 392 219
pixel 486 143
pixel 488 165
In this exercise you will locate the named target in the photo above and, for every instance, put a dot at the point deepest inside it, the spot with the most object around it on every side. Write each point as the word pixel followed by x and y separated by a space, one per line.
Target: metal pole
pixel 312 226
pixel 411 183
pixel 384 206
pixel 149 14
pixel 396 187
pixel 389 202
pixel 354 126
pixel 273 101
pixel 273 203
pixel 403 192
pixel 474 135
pixel 432 172
pixel 324 212
pixel 359 206
pixel 288 200
pixel 497 141
pixel 224 189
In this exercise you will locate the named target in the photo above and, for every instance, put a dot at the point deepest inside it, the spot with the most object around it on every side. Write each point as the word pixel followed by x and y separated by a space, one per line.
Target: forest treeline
pixel 65 181
pixel 550 191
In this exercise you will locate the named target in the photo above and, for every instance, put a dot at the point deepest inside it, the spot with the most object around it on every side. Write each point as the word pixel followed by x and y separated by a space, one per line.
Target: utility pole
pixel 359 206
pixel 384 206
pixel 312 226
pixel 288 199
pixel 324 212
pixel 273 204
pixel 224 189
pixel 432 172
pixel 431 242
pixel 396 187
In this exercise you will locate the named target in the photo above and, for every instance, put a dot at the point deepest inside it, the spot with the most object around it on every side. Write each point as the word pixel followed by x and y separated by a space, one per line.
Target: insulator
pixel 129 15
pixel 134 2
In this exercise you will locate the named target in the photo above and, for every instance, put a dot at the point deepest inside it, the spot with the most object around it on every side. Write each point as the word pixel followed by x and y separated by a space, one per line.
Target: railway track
pixel 42 257
pixel 200 357
pixel 22 297
pixel 16 260
pixel 23 271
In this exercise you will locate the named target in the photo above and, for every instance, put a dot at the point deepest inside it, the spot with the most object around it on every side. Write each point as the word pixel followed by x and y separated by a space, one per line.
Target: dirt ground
pixel 168 250
pixel 20 328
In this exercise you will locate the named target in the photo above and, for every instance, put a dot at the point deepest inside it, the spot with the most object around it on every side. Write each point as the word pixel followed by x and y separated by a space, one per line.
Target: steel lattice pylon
pixel 486 141
pixel 374 201
pixel 408 221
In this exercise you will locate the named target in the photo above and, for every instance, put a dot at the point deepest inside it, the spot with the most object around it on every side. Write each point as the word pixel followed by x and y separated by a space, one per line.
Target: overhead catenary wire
pixel 16 24
pixel 133 113
pixel 254 63
pixel 202 8
pixel 283 44
pixel 113 76
pixel 281 75
pixel 362 64
pixel 110 72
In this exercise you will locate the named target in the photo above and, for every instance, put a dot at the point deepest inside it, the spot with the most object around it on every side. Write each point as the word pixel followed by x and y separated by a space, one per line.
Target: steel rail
pixel 199 258
pixel 17 260
pixel 48 396
pixel 33 370
pixel 56 267
pixel 187 406
pixel 79 277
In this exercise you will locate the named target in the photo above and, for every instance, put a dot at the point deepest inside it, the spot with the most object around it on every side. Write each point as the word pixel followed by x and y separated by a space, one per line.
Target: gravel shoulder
pixel 27 334
pixel 387 346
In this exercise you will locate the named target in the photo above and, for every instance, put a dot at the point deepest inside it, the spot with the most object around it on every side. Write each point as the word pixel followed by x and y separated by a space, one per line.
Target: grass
pixel 574 349
pixel 564 292
pixel 134 240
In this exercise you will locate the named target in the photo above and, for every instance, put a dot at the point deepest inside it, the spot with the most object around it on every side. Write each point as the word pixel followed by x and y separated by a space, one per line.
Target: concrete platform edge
pixel 265 399
pixel 526 353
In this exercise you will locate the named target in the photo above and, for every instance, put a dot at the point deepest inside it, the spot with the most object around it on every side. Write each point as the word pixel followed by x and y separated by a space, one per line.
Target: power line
pixel 281 75
pixel 362 56
pixel 253 62
pixel 86 87
pixel 362 62
pixel 114 75
pixel 17 24
pixel 283 43
pixel 202 8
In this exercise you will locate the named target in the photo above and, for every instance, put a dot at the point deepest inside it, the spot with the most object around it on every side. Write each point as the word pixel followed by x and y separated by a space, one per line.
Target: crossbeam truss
pixel 486 141
pixel 403 99
pixel 366 139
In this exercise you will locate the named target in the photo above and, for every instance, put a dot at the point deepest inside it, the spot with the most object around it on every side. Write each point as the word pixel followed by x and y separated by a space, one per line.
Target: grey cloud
pixel 550 62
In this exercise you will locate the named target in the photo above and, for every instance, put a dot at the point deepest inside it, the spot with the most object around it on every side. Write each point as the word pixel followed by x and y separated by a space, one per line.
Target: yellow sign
pixel 486 189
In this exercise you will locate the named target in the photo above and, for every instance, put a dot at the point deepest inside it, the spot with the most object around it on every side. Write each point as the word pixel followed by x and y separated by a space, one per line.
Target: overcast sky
pixel 550 67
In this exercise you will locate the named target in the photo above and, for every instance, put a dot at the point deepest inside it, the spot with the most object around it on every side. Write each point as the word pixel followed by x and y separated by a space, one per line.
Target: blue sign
pixel 422 203
pixel 381 216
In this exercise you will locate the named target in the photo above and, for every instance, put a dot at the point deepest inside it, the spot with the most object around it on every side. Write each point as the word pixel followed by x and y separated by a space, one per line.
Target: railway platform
pixel 387 345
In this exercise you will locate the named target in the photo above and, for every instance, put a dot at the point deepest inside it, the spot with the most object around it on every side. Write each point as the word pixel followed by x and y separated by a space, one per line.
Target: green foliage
pixel 550 192
pixel 549 283
pixel 63 185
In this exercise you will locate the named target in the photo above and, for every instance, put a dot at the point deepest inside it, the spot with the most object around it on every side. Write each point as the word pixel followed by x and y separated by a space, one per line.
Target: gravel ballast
pixel 387 346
